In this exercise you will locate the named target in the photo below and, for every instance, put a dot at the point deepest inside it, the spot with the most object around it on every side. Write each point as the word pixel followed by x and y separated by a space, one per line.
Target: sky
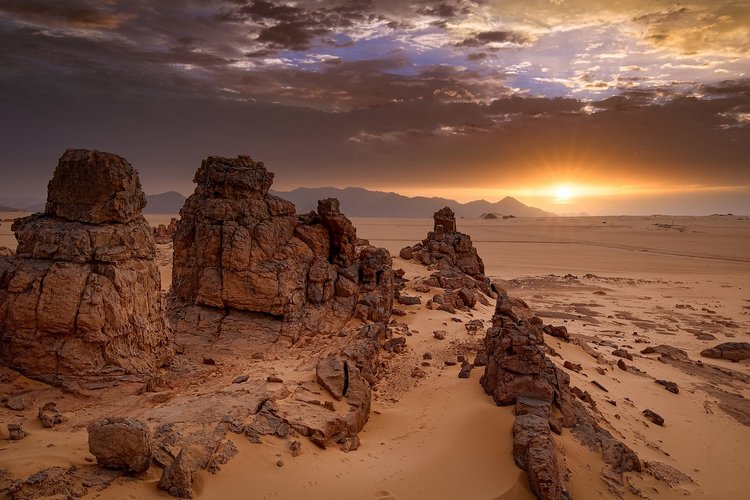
pixel 573 106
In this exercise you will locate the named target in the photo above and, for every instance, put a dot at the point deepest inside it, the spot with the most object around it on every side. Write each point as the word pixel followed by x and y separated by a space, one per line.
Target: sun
pixel 563 193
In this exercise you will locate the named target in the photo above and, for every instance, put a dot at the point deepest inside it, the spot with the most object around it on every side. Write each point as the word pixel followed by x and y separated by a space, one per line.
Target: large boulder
pixel 82 295
pixel 239 248
pixel 733 351
pixel 121 443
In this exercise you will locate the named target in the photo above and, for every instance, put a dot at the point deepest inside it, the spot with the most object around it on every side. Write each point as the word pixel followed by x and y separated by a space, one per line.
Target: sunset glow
pixel 574 105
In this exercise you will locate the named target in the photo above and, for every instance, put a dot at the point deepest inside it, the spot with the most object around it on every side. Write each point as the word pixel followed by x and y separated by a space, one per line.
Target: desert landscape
pixel 387 250
pixel 629 309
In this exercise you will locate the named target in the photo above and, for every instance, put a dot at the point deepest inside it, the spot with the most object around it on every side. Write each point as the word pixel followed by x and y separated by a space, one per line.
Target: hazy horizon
pixel 566 105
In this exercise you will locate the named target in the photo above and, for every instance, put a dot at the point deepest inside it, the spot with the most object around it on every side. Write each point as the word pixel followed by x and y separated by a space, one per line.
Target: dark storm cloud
pixel 73 13
pixel 490 37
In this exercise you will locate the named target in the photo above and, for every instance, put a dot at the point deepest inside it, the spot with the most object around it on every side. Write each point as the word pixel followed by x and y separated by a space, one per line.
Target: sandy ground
pixel 625 282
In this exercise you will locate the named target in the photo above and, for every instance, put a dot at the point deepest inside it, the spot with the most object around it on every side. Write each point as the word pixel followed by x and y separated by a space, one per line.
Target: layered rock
pixel 82 295
pixel 239 250
pixel 457 263
pixel 519 372
pixel 733 351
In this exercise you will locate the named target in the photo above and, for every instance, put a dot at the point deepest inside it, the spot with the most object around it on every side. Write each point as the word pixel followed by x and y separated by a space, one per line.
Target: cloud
pixel 495 38
pixel 73 14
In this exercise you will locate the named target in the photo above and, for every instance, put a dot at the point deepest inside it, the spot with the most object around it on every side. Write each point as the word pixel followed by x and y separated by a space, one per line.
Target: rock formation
pixel 241 252
pixel 164 234
pixel 459 269
pixel 82 295
pixel 519 372
pixel 733 351
pixel 122 443
pixel 248 269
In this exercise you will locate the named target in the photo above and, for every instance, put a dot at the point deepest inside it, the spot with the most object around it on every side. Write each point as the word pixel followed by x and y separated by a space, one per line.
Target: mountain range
pixel 358 202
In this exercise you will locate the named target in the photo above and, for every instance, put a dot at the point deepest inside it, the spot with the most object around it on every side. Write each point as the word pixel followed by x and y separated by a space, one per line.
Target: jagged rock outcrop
pixel 519 372
pixel 164 234
pixel 456 262
pixel 82 295
pixel 240 252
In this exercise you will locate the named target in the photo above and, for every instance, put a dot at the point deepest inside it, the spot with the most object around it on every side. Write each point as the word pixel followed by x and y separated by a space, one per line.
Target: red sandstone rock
pixel 82 295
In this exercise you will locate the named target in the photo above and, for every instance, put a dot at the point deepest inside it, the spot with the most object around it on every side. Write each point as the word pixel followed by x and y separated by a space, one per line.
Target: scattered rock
pixel 21 402
pixel 16 432
pixel 474 325
pixel 600 386
pixel 50 415
pixel 465 370
pixel 209 361
pixel 654 417
pixel 560 332
pixel 622 353
pixel 439 334
pixel 576 367
pixel 239 379
pixel 295 447
pixel 121 443
pixel 274 379
pixel 409 300
pixel 670 386
pixel 621 365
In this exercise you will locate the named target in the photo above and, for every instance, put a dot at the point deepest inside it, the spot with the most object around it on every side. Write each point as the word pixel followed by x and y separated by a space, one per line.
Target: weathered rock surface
pixel 122 443
pixel 733 351
pixel 518 372
pixel 82 295
pixel 239 249
pixel 94 187
pixel 50 415
pixel 164 234
pixel 452 254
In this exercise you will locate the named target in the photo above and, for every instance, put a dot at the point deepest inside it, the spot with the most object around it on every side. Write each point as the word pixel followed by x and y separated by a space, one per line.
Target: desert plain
pixel 614 282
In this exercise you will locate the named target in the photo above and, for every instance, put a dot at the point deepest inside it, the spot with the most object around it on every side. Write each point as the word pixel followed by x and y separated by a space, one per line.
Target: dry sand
pixel 625 281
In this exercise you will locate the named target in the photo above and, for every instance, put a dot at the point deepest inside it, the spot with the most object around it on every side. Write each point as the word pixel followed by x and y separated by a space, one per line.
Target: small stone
pixel 295 447
pixel 280 463
pixel 409 300
pixel 16 432
pixel 427 355
pixel 209 361
pixel 49 415
pixel 398 312
pixel 417 372
pixel 622 353
pixel 621 365
pixel 600 386
pixel 465 370
pixel 576 367
pixel 274 379
pixel 21 401
pixel 654 417
pixel 439 334
pixel 240 379
pixel 669 386
pixel 258 355
pixel 450 362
